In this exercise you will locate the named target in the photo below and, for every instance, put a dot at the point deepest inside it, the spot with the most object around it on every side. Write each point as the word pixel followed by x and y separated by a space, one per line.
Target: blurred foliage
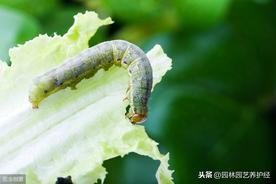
pixel 15 27
pixel 216 109
pixel 194 13
pixel 141 11
pixel 37 8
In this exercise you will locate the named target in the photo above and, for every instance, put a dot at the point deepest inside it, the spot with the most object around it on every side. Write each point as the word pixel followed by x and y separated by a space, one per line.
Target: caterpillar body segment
pixel 87 63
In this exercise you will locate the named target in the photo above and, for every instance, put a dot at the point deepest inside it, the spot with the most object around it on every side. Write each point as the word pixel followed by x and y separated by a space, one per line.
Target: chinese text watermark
pixel 234 174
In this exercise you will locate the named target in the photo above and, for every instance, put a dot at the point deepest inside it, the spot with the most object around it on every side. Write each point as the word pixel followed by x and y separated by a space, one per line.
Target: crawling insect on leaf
pixel 73 131
pixel 88 62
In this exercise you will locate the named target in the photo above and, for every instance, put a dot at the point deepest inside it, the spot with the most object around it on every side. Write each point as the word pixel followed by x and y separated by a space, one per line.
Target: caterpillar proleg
pixel 102 56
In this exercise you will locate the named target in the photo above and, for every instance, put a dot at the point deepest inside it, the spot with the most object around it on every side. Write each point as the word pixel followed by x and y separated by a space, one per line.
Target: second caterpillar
pixel 102 56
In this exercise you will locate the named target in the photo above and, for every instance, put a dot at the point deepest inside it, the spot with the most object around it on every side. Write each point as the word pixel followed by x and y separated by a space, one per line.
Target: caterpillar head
pixel 135 118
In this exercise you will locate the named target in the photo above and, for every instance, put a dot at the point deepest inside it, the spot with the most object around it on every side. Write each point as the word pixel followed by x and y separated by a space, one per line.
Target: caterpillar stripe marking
pixel 102 56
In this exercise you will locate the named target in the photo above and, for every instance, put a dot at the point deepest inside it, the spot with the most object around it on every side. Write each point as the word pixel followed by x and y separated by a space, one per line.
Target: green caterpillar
pixel 87 63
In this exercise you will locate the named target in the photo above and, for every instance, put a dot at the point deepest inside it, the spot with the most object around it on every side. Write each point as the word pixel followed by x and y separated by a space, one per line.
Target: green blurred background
pixel 216 109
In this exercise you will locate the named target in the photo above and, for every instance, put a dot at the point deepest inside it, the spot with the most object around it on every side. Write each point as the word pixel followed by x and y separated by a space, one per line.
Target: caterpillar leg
pixel 127 93
pixel 34 106
pixel 73 85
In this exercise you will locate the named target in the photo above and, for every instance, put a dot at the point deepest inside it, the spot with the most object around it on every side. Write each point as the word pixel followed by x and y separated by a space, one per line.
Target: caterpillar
pixel 102 56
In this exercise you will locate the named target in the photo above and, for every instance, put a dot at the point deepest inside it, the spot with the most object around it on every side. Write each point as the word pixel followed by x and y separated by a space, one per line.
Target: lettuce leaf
pixel 74 131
